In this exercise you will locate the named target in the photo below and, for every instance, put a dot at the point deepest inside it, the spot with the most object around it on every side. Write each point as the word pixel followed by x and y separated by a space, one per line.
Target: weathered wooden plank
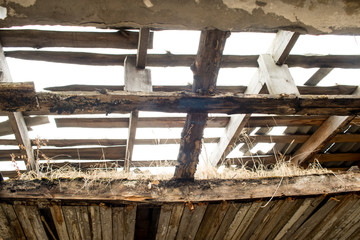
pixel 332 218
pixel 35 219
pixel 166 191
pixel 5 126
pixel 304 90
pixel 118 223
pixel 84 223
pixel 174 60
pixel 299 217
pixel 212 220
pixel 332 126
pixel 59 221
pixel 228 219
pixel 137 79
pixel 255 206
pixel 237 221
pixel 13 220
pixel 130 219
pixel 42 39
pixel 106 221
pixel 318 76
pixel 6 231
pixel 190 221
pixel 176 214
pixel 309 225
pixel 21 212
pixel 282 45
pixel 72 222
pixel 164 220
pixel 121 102
pixel 94 214
pixel 205 70
pixel 142 48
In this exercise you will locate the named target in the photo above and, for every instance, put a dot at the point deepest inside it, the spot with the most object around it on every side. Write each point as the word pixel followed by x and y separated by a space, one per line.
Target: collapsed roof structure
pixel 321 124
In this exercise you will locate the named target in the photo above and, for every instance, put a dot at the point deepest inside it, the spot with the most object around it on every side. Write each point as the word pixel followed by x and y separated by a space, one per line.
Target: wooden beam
pixel 318 76
pixel 142 48
pixel 323 135
pixel 123 191
pixel 280 49
pixel 174 60
pixel 43 39
pixel 205 69
pixel 136 80
pixel 282 45
pixel 17 120
pixel 229 103
pixel 5 127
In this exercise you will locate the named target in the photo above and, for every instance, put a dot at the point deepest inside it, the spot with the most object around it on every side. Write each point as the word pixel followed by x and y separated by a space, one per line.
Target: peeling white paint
pixel 24 3
pixel 3 13
pixel 148 3
pixel 308 15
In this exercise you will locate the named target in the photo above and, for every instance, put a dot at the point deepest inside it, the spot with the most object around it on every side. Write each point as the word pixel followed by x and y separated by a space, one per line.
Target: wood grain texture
pixel 59 221
pixel 43 39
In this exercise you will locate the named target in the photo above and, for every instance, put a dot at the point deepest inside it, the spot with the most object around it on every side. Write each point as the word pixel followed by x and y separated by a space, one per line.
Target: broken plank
pixel 43 39
pixel 174 60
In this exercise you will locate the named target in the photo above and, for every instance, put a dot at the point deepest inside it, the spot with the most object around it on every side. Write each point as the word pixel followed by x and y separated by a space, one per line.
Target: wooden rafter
pixel 318 76
pixel 17 121
pixel 174 60
pixel 137 79
pixel 205 69
pixel 42 39
pixel 325 134
pixel 279 50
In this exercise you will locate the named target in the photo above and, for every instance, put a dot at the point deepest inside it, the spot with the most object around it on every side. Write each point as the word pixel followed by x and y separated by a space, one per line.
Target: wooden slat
pixel 5 228
pixel 59 221
pixel 94 214
pixel 164 220
pixel 106 221
pixel 176 214
pixel 129 224
pixel 190 221
pixel 72 222
pixel 332 126
pixel 136 80
pixel 142 48
pixel 22 214
pixel 173 60
pixel 205 70
pixel 35 219
pixel 118 223
pixel 42 39
pixel 282 45
pixel 84 223
pixel 228 219
pixel 318 76
pixel 13 221
pixel 311 223
pixel 212 220
pixel 5 126
pixel 120 102
pixel 237 221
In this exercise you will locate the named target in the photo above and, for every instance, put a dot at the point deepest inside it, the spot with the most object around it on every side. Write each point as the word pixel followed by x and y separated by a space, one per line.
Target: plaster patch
pixel 3 13
pixel 148 3
pixel 24 3
pixel 306 12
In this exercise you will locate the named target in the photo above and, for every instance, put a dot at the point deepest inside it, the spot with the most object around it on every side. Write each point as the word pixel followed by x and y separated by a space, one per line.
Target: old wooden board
pixel 59 221
pixel 13 220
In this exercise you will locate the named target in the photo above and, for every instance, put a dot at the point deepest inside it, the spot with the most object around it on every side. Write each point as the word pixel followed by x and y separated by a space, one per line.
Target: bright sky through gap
pixel 46 74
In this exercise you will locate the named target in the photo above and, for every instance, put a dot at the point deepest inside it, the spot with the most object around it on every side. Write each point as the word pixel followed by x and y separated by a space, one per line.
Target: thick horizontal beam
pixel 42 39
pixel 304 90
pixel 224 15
pixel 171 60
pixel 175 191
pixel 123 102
